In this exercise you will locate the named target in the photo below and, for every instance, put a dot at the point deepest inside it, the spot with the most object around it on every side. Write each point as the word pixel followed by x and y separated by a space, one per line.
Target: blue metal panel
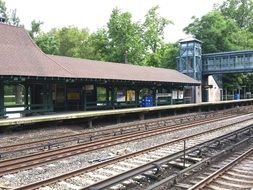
pixel 228 62
pixel 192 63
pixel 189 61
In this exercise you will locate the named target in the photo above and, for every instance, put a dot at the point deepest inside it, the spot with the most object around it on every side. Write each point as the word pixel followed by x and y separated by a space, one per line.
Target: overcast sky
pixel 94 14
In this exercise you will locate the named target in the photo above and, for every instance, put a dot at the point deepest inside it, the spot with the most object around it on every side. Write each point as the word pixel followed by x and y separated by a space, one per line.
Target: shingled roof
pixel 83 68
pixel 20 56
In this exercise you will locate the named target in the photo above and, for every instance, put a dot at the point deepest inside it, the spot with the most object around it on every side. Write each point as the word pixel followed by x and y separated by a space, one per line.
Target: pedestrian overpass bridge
pixel 227 62
pixel 208 68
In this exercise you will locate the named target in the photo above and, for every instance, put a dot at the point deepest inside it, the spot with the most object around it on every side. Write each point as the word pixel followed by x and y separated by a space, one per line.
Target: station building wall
pixel 214 93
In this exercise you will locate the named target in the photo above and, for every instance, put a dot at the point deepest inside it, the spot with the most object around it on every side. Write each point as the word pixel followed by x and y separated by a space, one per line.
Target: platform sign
pixel 121 97
pixel 180 94
pixel 73 96
pixel 162 95
pixel 130 95
pixel 89 87
pixel 174 94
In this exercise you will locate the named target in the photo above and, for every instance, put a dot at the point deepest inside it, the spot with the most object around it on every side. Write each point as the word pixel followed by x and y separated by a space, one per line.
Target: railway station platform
pixel 119 114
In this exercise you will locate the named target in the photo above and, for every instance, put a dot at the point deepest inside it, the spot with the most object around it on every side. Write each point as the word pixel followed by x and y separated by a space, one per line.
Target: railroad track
pixel 225 151
pixel 97 176
pixel 237 174
pixel 121 131
pixel 12 165
pixel 102 133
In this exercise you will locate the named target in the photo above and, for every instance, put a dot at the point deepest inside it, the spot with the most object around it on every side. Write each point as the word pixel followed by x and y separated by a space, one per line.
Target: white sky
pixel 94 14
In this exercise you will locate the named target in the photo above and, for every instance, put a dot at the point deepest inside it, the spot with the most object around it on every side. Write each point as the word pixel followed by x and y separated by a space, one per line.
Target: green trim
pixel 48 100
pixel 30 79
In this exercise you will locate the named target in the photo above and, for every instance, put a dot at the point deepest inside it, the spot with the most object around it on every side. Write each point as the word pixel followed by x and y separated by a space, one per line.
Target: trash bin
pixel 237 97
pixel 147 101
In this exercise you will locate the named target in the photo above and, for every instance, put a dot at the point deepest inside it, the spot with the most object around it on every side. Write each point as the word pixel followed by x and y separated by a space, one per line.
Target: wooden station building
pixel 52 83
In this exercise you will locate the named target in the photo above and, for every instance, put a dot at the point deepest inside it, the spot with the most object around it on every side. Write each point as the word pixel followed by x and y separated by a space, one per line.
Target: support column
pixel 1 99
pixel 154 96
pixel 26 96
pixel 107 96
pixel 205 90
pixel 118 119
pixel 84 100
pixel 90 124
pixel 112 98
pixel 49 98
pixel 159 114
pixel 66 97
pixel 137 94
pixel 26 93
pixel 142 116
pixel 33 95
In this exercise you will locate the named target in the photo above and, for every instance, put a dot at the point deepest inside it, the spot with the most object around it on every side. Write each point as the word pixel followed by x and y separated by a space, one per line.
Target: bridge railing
pixel 228 62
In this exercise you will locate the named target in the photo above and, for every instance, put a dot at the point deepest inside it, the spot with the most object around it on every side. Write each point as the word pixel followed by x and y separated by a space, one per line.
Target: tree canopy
pixel 122 40
pixel 239 10
pixel 227 28
pixel 125 40
pixel 9 15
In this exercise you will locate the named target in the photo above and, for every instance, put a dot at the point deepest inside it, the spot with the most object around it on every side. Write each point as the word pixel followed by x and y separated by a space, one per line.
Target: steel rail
pixel 131 173
pixel 11 165
pixel 201 163
pixel 221 171
pixel 74 137
pixel 138 131
pixel 140 169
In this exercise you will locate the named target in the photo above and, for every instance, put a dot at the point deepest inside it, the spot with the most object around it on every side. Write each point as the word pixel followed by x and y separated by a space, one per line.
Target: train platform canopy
pixel 20 56
pixel 32 82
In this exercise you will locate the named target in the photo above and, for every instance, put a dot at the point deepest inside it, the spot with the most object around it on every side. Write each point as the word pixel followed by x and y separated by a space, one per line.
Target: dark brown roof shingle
pixel 83 68
pixel 19 56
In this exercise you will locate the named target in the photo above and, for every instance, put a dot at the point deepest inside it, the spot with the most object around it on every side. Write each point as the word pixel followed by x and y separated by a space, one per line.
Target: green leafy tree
pixel 165 57
pixel 47 43
pixel 122 41
pixel 214 30
pixel 3 10
pixel 9 15
pixel 227 28
pixel 169 53
pixel 98 43
pixel 153 29
pixel 73 42
pixel 13 19
pixel 125 42
pixel 239 10
pixel 156 51
pixel 241 40
pixel 35 28
pixel 70 40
